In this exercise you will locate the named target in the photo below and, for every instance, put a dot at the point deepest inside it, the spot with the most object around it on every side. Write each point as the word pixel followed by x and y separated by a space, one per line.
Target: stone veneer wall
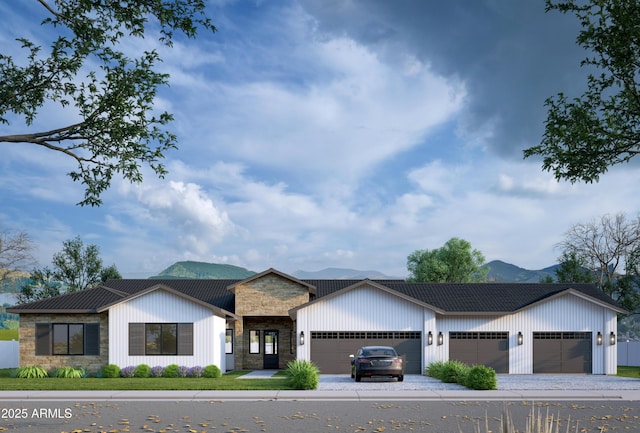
pixel 264 303
pixel 92 364
pixel 284 326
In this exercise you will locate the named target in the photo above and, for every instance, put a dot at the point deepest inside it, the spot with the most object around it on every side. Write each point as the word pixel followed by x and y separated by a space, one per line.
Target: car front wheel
pixel 400 378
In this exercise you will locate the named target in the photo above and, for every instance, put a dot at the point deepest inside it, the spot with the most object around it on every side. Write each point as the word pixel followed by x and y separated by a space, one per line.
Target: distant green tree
pixel 455 262
pixel 573 269
pixel 75 268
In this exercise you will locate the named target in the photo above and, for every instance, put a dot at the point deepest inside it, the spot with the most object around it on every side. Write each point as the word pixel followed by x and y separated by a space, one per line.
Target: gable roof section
pixel 161 287
pixel 84 301
pixel 498 298
pixel 444 298
pixel 311 288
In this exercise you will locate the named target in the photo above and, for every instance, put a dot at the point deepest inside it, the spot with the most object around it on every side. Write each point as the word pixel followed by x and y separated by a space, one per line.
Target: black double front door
pixel 271 358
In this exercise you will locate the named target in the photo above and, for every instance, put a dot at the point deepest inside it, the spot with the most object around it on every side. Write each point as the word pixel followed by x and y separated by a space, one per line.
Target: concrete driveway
pixel 415 382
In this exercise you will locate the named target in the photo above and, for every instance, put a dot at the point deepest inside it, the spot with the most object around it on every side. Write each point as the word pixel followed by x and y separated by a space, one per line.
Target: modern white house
pixel 271 318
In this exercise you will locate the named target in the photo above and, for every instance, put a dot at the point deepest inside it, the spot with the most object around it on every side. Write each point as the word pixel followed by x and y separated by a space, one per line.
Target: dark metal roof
pixel 451 298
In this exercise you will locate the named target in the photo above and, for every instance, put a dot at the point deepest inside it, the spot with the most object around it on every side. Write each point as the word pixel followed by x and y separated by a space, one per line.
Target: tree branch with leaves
pixel 119 129
pixel 586 135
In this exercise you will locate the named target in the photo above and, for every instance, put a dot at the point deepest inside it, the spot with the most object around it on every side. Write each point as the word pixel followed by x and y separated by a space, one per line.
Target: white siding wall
pixel 163 307
pixel 361 309
pixel 371 309
pixel 566 313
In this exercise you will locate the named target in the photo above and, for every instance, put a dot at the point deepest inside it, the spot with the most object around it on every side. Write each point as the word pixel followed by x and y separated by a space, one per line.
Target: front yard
pixel 227 381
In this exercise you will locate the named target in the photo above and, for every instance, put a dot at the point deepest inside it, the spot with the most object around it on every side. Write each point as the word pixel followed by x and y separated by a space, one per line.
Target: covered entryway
pixel 562 352
pixel 481 348
pixel 330 350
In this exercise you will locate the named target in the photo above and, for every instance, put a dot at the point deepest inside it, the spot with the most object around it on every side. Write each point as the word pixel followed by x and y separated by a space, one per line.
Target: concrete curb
pixel 315 395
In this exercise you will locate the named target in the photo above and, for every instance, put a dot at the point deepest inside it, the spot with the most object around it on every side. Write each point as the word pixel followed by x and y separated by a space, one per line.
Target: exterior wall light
pixel 520 338
pixel 440 338
pixel 612 338
pixel 599 338
pixel 430 338
pixel 301 338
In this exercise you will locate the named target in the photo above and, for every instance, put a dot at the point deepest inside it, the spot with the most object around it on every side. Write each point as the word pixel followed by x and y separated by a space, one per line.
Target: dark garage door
pixel 330 350
pixel 562 352
pixel 482 348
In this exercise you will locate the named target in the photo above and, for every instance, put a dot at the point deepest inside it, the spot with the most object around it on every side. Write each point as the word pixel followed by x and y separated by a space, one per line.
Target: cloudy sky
pixel 332 133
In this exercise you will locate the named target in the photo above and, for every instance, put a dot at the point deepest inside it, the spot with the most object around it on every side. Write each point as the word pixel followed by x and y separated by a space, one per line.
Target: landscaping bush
pixel 211 371
pixel 111 370
pixel 183 371
pixel 70 372
pixel 481 377
pixel 31 372
pixel 157 371
pixel 196 371
pixel 435 369
pixel 171 370
pixel 303 374
pixel 128 371
pixel 142 370
pixel 454 372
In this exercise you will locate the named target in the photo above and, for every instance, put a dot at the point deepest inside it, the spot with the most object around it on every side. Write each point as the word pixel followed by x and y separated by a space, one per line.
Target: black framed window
pixel 254 341
pixel 228 341
pixel 162 339
pixel 67 339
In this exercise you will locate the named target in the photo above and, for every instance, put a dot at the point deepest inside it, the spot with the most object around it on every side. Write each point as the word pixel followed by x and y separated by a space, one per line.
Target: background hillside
pixel 499 271
pixel 204 270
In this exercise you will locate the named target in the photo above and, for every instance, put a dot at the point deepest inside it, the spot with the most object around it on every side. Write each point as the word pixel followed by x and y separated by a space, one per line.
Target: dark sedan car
pixel 377 361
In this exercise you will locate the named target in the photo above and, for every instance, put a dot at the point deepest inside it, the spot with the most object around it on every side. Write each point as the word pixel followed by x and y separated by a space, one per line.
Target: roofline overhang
pixel 294 311
pixel 578 294
pixel 310 287
pixel 216 310
pixel 50 311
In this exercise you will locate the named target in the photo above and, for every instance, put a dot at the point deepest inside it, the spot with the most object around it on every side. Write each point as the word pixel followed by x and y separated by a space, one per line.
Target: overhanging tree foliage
pixel 84 69
pixel 454 262
pixel 584 136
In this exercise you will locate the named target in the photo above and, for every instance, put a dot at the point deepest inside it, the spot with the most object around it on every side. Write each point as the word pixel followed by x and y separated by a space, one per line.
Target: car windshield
pixel 379 352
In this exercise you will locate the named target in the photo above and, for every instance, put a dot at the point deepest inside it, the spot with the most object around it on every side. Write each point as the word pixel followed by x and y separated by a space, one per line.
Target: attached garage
pixel 330 350
pixel 483 348
pixel 562 352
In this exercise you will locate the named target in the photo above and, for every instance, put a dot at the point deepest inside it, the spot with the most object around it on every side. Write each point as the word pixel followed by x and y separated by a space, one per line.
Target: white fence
pixel 9 354
pixel 629 353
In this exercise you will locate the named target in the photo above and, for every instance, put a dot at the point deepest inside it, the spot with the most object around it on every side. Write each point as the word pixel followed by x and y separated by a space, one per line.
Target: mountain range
pixel 499 271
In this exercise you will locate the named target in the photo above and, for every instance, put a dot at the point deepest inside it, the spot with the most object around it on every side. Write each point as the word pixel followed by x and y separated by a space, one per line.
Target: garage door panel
pixel 329 350
pixel 562 352
pixel 481 348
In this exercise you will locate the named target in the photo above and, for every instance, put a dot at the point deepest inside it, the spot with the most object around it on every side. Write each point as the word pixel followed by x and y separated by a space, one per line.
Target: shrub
pixel 183 371
pixel 70 372
pixel 31 372
pixel 303 374
pixel 435 370
pixel 128 371
pixel 196 371
pixel 157 371
pixel 171 370
pixel 454 372
pixel 142 370
pixel 111 370
pixel 211 371
pixel 481 377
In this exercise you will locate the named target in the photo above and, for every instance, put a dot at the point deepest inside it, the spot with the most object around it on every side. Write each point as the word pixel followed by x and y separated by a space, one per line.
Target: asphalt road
pixel 309 416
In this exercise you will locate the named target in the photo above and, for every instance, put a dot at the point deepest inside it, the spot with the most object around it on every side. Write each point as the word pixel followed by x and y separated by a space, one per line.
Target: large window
pixel 161 339
pixel 67 339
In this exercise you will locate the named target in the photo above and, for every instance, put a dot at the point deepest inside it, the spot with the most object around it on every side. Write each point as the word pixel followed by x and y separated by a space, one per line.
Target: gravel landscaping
pixel 337 382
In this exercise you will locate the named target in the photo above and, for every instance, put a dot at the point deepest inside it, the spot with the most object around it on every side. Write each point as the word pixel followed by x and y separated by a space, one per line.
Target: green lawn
pixel 228 381
pixel 629 371
pixel 8 334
